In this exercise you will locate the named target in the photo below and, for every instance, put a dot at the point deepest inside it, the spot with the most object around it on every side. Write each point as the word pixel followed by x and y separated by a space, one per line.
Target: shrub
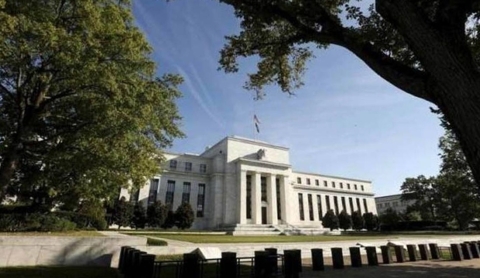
pixel 371 221
pixel 156 242
pixel 52 223
pixel 184 216
pixel 156 214
pixel 123 213
pixel 344 220
pixel 330 220
pixel 169 221
pixel 139 217
pixel 357 221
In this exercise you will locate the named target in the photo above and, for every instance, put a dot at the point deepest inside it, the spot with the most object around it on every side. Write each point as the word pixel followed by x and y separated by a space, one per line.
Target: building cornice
pixel 328 176
pixel 320 189
pixel 262 163
pixel 256 142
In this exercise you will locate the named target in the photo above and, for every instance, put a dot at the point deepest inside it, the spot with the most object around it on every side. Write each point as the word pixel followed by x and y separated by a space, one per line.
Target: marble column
pixel 315 207
pixel 283 199
pixel 272 200
pixel 256 198
pixel 242 196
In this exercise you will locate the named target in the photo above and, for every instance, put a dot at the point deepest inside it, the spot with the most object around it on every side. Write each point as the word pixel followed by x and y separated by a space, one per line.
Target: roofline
pixel 328 176
pixel 183 154
pixel 242 139
pixel 393 195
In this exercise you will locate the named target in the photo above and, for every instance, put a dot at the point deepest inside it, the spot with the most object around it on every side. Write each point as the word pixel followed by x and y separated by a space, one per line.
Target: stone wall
pixel 53 250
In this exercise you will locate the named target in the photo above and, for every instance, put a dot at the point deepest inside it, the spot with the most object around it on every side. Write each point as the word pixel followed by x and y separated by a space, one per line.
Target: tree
pixel 169 221
pixel 122 213
pixel 81 108
pixel 184 216
pixel 330 220
pixel 139 218
pixel 357 221
pixel 427 48
pixel 344 220
pixel 371 221
pixel 390 219
pixel 423 192
pixel 156 214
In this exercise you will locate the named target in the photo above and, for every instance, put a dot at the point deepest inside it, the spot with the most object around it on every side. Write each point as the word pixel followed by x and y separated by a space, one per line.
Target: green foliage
pixel 357 221
pixel 14 222
pixel 371 221
pixel 423 192
pixel 169 220
pixel 156 242
pixel 344 220
pixel 156 214
pixel 390 219
pixel 123 213
pixel 139 216
pixel 184 216
pixel 330 220
pixel 82 109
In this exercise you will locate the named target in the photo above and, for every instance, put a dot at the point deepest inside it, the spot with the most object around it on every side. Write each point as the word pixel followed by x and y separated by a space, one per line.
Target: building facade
pixel 393 202
pixel 240 181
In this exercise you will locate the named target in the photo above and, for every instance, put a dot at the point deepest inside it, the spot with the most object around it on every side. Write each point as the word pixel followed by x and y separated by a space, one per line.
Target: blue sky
pixel 345 121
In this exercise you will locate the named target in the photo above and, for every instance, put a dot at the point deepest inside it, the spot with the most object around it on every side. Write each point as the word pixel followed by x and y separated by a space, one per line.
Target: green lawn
pixel 58 272
pixel 73 233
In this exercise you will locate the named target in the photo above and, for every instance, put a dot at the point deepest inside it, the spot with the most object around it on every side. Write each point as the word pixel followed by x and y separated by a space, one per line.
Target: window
pixel 203 168
pixel 279 205
pixel 365 205
pixel 300 206
pixel 333 184
pixel 319 207
pixel 170 192
pixel 355 186
pixel 380 205
pixel 186 192
pixel 173 164
pixel 134 196
pixel 152 195
pixel 325 183
pixel 200 199
pixel 358 206
pixel 249 197
pixel 348 186
pixel 308 181
pixel 341 185
pixel 350 200
pixel 299 180
pixel 395 204
pixel 310 207
pixel 344 205
pixel 327 199
pixel 188 166
pixel 363 189
pixel 335 203
pixel 263 184
pixel 317 183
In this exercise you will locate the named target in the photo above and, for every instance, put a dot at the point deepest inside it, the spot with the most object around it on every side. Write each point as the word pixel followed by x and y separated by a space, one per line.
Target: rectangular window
pixel 310 207
pixel 249 197
pixel 327 200
pixel 263 183
pixel 333 184
pixel 300 206
pixel 173 164
pixel 188 166
pixel 200 199
pixel 299 180
pixel 308 181
pixel 341 185
pixel 344 205
pixel 317 183
pixel 152 194
pixel 186 192
pixel 279 205
pixel 358 206
pixel 365 205
pixel 363 189
pixel 170 192
pixel 319 207
pixel 355 186
pixel 348 186
pixel 335 203
pixel 325 183
pixel 350 200
pixel 380 205
pixel 134 196
pixel 203 168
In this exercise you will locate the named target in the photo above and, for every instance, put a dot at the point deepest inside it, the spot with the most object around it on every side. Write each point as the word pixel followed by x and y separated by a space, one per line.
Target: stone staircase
pixel 251 230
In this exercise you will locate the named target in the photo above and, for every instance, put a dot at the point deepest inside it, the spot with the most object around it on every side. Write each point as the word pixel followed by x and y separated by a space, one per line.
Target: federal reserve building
pixel 246 186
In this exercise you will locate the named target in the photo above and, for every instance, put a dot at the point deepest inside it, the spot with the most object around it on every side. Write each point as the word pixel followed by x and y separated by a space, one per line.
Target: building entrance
pixel 264 215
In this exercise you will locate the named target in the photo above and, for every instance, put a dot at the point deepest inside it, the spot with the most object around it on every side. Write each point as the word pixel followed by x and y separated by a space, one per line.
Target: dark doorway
pixel 264 215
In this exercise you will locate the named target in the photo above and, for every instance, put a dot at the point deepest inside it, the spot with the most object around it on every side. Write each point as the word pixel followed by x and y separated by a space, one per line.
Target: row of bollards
pixel 465 251
pixel 135 263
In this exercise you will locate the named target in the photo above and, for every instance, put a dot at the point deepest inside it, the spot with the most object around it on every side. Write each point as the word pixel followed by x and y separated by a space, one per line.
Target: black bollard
pixel 355 257
pixel 411 252
pixel 293 263
pixel 146 265
pixel 434 251
pixel 136 270
pixel 228 265
pixel 121 258
pixel 474 250
pixel 127 262
pixel 191 265
pixel 423 252
pixel 317 259
pixel 272 260
pixel 372 255
pixel 337 258
pixel 261 258
pixel 386 255
pixel 467 254
pixel 399 253
pixel 456 252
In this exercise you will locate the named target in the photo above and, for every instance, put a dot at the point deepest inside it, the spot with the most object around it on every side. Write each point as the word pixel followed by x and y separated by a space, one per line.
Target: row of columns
pixel 324 205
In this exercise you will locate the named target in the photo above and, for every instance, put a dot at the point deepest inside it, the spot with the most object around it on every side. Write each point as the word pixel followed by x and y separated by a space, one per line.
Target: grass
pixel 58 272
pixel 156 242
pixel 73 233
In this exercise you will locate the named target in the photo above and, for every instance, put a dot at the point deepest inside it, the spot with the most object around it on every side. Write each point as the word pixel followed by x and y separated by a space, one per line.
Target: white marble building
pixel 240 182
pixel 393 202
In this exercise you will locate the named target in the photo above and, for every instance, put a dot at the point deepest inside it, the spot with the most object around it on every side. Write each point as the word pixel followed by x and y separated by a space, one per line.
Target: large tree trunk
pixel 10 163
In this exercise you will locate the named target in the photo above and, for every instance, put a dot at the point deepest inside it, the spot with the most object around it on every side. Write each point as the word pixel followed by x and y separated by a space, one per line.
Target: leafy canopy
pixel 81 109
